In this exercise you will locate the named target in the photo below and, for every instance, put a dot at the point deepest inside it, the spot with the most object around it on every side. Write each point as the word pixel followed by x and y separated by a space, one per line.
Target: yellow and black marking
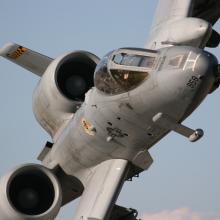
pixel 87 127
pixel 17 53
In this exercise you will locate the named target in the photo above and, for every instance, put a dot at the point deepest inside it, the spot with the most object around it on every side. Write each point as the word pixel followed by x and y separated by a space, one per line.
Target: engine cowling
pixel 62 89
pixel 30 192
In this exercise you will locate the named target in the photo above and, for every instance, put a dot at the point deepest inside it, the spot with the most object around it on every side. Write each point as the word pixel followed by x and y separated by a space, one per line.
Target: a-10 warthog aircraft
pixel 103 115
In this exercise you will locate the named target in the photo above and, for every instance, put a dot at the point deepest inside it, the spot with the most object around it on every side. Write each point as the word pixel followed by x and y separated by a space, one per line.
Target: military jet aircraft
pixel 104 115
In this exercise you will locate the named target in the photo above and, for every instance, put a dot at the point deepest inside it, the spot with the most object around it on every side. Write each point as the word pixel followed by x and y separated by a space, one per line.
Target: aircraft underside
pixel 103 115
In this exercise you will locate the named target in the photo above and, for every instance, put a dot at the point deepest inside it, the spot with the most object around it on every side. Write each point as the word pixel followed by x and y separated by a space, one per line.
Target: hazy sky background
pixel 184 181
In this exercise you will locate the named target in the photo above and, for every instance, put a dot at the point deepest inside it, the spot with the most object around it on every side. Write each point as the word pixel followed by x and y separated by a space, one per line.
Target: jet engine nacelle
pixel 62 89
pixel 199 34
pixel 30 192
pixel 188 31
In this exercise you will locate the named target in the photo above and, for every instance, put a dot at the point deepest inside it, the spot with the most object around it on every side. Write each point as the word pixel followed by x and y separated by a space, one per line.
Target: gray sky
pixel 184 180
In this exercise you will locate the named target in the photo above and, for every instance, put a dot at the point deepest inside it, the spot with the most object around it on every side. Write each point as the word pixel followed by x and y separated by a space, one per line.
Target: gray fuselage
pixel 120 126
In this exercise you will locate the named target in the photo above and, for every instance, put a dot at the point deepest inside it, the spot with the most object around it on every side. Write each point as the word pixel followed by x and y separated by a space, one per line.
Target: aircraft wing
pixel 26 58
pixel 101 191
pixel 170 27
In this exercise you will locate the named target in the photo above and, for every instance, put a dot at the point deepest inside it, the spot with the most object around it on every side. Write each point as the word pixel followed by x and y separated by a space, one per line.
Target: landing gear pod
pixel 30 192
pixel 196 135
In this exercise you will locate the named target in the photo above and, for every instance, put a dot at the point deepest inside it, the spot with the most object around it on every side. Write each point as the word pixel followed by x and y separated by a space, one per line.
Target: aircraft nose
pixel 205 70
pixel 200 64
pixel 206 65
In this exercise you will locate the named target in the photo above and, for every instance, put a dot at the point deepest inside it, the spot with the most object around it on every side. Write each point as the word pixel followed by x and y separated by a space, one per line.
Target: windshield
pixel 134 60
pixel 104 81
pixel 120 72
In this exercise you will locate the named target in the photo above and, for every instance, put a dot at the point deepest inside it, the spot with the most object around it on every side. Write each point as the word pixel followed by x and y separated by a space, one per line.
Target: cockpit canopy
pixel 124 69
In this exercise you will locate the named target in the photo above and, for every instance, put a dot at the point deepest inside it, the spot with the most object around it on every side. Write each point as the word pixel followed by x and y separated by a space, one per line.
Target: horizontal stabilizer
pixel 26 58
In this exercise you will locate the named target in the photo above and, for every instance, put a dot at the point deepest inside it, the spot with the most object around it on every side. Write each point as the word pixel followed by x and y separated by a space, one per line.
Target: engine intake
pixel 32 191
pixel 62 89
pixel 74 76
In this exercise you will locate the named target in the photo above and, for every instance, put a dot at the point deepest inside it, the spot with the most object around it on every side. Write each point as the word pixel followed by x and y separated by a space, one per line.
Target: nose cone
pixel 202 79
pixel 206 65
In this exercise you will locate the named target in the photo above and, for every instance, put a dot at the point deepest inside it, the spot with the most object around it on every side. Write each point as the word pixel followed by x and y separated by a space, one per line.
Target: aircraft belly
pixel 120 126
pixel 122 120
pixel 118 119
pixel 76 149
pixel 87 146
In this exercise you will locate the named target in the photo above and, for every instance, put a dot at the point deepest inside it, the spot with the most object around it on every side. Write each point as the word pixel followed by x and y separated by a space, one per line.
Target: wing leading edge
pixel 102 190
pixel 32 61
